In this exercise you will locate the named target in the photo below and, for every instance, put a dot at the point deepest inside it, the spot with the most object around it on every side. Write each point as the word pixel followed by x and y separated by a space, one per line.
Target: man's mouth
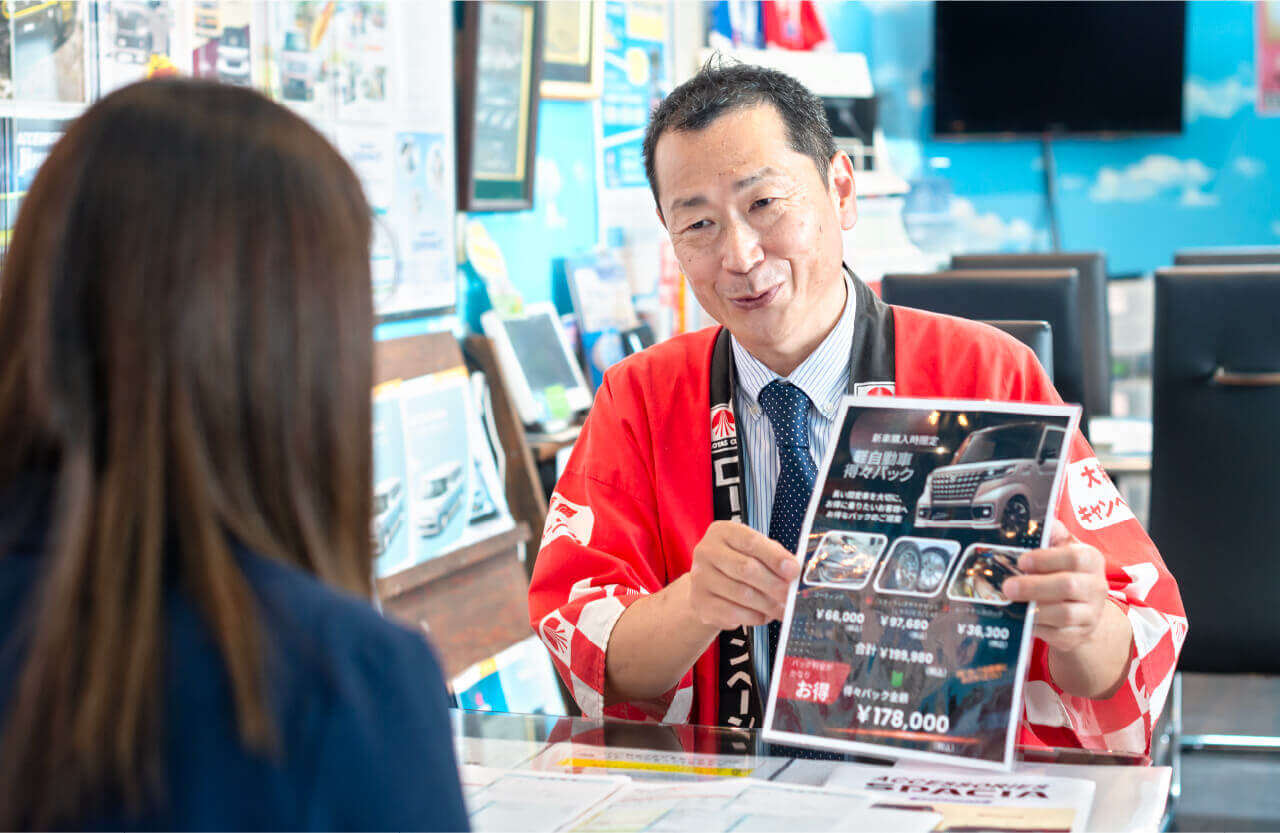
pixel 747 302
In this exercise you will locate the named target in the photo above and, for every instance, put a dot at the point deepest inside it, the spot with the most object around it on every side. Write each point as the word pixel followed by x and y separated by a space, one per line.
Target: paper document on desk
pixel 652 764
pixel 747 806
pixel 501 753
pixel 975 802
pixel 502 800
pixel 897 639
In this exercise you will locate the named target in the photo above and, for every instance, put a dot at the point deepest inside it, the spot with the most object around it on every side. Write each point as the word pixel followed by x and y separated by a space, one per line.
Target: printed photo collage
pixel 337 64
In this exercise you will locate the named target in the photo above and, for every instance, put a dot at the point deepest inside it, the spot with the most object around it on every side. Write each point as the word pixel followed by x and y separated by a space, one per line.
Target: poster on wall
pixel 636 79
pixel 425 116
pixel 369 151
pixel 637 76
pixel 300 58
pixel 421 216
pixel 898 639
pixel 426 51
pixel 25 144
pixel 135 41
pixel 42 52
pixel 1267 58
pixel 223 43
pixel 363 62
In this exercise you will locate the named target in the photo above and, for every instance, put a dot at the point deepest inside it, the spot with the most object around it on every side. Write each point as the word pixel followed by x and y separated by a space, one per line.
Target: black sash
pixel 870 366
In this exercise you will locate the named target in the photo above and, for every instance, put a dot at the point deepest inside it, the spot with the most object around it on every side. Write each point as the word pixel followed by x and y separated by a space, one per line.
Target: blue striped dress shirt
pixel 824 378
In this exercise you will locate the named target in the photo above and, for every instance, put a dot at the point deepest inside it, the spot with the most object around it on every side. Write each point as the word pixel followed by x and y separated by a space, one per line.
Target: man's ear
pixel 657 209
pixel 843 191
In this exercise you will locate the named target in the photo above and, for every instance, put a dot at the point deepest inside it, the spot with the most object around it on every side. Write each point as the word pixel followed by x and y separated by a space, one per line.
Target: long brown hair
pixel 185 352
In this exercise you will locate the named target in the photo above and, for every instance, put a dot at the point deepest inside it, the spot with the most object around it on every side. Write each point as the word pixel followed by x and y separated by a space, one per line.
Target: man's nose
pixel 741 250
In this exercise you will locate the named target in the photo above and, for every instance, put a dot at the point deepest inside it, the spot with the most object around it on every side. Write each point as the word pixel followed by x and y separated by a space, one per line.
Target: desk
pixel 1129 796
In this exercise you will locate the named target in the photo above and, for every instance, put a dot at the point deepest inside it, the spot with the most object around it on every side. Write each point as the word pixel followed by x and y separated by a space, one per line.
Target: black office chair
pixel 1095 320
pixel 1050 295
pixel 1228 256
pixel 1037 335
pixel 1215 475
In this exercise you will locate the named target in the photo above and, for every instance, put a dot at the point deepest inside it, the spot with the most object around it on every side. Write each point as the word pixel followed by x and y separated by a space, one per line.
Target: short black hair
pixel 721 87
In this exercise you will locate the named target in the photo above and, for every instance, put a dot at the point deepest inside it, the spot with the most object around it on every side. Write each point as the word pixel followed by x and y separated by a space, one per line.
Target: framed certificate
pixel 499 67
pixel 572 55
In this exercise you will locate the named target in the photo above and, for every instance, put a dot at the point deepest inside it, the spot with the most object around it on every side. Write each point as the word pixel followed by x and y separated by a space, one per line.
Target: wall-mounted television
pixel 1036 68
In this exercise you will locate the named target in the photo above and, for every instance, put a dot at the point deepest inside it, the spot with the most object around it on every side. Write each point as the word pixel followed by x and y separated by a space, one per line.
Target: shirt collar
pixel 824 388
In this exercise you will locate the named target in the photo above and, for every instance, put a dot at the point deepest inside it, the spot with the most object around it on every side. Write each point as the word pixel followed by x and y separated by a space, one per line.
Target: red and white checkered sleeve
pixel 600 553
pixel 1094 512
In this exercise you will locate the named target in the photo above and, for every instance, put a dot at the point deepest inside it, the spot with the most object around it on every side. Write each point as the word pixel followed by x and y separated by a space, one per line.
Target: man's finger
pixel 736 613
pixel 1053 587
pixel 1072 558
pixel 1060 637
pixel 737 569
pixel 764 549
pixel 1067 615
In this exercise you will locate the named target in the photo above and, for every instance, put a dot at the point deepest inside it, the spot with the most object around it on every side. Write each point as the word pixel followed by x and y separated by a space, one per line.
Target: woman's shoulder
pixel 313 620
pixel 363 699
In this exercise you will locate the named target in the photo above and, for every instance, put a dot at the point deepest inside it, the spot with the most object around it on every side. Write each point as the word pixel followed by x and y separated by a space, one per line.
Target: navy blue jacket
pixel 360 707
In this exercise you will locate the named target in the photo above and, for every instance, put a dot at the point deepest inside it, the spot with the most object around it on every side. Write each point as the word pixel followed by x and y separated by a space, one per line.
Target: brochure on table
pixel 745 806
pixel 966 801
pixel 531 801
pixel 652 764
pixel 897 639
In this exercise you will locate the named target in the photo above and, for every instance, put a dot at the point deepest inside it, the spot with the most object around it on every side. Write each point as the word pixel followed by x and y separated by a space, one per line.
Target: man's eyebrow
pixel 698 200
pixel 689 202
pixel 752 179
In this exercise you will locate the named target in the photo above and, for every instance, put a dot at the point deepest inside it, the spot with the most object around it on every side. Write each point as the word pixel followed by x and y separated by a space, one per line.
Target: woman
pixel 185 375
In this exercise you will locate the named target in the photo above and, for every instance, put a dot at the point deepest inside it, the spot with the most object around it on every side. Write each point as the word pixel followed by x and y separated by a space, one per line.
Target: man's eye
pixel 763 202
pixel 701 224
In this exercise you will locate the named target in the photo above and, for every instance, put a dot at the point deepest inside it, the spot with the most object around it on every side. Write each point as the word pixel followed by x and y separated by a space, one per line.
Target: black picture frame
pixel 498 72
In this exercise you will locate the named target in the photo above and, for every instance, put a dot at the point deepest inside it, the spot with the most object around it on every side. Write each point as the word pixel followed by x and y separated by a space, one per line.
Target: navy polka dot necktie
pixel 787 408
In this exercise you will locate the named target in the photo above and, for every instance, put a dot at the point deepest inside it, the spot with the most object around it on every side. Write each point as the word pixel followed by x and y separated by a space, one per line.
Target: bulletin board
pixel 346 67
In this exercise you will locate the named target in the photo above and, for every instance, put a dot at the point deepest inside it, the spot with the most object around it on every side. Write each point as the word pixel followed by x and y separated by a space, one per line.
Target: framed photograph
pixel 572 54
pixel 499 68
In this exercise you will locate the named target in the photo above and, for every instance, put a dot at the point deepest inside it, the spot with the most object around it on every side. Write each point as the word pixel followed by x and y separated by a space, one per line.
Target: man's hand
pixel 1068 581
pixel 739 577
pixel 1089 639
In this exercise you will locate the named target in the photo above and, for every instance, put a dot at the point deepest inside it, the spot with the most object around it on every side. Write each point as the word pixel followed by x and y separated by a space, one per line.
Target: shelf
pixel 419 574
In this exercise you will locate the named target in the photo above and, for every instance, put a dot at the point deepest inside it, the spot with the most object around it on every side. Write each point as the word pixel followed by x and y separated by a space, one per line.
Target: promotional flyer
pixel 975 802
pixel 897 639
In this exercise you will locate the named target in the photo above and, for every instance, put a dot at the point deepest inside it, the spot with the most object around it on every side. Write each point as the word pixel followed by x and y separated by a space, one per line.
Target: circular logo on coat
pixel 722 424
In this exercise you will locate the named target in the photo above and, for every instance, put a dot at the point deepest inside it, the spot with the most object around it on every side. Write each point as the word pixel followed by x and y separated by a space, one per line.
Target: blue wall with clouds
pixel 1138 199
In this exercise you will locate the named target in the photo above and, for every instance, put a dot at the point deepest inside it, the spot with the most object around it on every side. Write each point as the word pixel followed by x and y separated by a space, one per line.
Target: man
pixel 650 591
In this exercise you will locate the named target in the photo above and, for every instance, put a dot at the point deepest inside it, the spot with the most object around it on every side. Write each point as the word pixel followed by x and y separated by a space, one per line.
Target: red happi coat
pixel 636 497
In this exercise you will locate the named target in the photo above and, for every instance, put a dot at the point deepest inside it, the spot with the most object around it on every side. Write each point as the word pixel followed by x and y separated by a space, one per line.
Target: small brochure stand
pixel 472 601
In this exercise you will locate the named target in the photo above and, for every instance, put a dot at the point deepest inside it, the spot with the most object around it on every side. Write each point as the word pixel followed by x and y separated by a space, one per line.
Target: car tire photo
pixel 1015 520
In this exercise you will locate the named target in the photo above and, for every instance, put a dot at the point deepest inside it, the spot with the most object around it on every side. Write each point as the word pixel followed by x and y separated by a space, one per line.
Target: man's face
pixel 756 229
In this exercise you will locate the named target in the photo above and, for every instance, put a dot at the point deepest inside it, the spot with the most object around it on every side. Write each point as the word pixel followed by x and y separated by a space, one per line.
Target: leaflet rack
pixel 472 602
